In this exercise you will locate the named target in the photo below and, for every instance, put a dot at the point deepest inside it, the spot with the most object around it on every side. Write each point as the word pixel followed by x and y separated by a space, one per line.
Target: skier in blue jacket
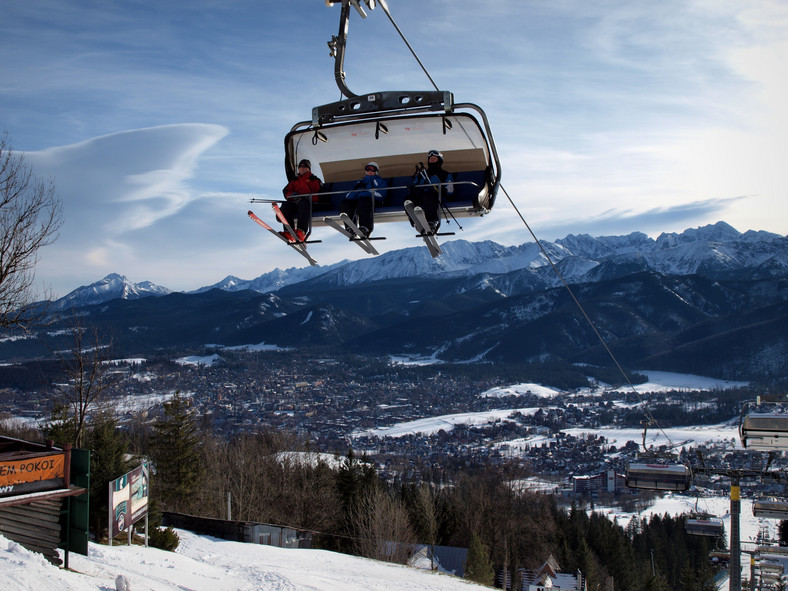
pixel 361 201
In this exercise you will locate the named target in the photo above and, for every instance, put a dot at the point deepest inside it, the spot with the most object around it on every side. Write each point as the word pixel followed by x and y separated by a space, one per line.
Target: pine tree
pixel 176 456
pixel 355 480
pixel 62 427
pixel 107 462
pixel 478 565
pixel 783 532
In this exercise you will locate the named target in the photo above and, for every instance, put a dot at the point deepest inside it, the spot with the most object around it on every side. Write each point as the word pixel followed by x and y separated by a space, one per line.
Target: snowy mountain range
pixel 715 251
pixel 709 301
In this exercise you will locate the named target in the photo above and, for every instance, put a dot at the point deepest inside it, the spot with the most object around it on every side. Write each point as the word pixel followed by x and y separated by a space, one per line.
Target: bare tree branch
pixel 30 216
pixel 88 376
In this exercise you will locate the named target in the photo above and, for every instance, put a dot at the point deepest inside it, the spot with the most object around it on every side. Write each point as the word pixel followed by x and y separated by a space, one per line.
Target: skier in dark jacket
pixel 430 187
pixel 362 199
pixel 299 194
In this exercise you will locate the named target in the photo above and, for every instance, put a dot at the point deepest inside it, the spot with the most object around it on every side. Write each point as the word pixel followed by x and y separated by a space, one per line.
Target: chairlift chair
pixel 764 431
pixel 770 509
pixel 781 550
pixel 771 566
pixel 395 129
pixel 704 526
pixel 344 146
pixel 668 477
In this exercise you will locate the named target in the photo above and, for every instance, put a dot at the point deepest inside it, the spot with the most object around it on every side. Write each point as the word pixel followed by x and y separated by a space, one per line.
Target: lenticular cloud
pixel 139 175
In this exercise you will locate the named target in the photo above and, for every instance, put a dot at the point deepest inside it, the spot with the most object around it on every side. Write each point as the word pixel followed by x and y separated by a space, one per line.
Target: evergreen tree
pixel 107 462
pixel 355 480
pixel 589 566
pixel 176 456
pixel 478 565
pixel 782 530
pixel 62 427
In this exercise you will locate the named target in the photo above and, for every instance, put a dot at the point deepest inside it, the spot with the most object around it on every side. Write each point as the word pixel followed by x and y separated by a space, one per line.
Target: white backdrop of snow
pixel 203 563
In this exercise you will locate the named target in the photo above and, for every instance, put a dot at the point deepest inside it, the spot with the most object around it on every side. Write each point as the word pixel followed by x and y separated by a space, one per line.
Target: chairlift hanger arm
pixel 338 43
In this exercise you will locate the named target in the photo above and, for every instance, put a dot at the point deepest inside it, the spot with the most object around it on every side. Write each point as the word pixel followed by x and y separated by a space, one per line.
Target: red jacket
pixel 303 184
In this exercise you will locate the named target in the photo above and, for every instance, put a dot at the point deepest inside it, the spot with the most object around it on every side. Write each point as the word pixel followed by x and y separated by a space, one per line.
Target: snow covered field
pixel 658 381
pixel 209 564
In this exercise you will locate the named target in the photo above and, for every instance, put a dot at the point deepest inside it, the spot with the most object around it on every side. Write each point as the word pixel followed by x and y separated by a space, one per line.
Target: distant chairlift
pixel 771 566
pixel 705 526
pixel 764 431
pixel 770 509
pixel 675 477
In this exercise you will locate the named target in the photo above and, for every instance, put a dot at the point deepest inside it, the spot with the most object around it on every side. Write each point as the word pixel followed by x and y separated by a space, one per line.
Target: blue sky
pixel 159 121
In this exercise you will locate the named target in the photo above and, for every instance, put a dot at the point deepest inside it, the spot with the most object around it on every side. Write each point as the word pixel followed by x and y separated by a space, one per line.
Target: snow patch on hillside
pixel 203 563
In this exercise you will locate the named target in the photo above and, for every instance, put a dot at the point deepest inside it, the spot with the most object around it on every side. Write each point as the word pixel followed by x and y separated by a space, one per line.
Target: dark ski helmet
pixel 306 163
pixel 437 154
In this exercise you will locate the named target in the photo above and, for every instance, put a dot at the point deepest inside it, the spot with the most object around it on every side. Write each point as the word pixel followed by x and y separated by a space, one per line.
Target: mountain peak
pixel 113 286
pixel 719 232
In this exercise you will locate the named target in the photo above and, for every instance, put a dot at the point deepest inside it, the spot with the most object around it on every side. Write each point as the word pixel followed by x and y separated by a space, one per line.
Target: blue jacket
pixel 371 185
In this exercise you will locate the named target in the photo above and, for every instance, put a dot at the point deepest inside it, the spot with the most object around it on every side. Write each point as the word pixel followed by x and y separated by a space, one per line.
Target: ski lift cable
pixel 385 8
pixel 646 411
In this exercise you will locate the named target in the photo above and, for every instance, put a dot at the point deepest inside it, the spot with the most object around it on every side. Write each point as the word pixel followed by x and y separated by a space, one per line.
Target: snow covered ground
pixel 658 381
pixel 431 425
pixel 664 381
pixel 210 564
pixel 519 390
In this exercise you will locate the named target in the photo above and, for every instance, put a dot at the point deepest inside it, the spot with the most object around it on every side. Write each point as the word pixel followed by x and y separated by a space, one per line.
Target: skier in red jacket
pixel 299 194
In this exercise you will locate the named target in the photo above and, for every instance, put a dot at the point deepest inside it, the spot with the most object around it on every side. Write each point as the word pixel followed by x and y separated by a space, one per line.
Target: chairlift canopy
pixel 711 526
pixel 770 509
pixel 764 431
pixel 398 142
pixel 674 477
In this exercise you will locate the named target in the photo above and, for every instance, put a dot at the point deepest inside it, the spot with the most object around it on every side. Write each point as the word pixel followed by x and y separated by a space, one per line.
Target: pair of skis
pixel 416 215
pixel 293 242
pixel 347 227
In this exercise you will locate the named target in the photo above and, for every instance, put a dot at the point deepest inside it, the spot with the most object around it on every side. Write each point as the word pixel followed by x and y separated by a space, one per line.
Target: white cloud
pixel 113 185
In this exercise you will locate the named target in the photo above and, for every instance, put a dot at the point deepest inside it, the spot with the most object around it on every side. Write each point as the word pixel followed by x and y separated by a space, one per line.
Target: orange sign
pixel 32 469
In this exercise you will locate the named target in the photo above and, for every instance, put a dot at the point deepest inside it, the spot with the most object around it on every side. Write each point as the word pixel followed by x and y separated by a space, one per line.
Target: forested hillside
pixel 350 508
